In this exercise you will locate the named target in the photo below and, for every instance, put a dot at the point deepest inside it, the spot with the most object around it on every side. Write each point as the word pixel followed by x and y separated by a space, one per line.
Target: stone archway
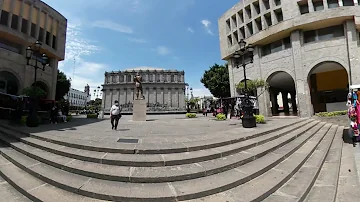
pixel 9 83
pixel 282 93
pixel 329 85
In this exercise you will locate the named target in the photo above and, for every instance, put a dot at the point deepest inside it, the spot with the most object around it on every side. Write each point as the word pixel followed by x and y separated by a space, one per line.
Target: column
pixel 301 84
pixel 20 16
pixel 111 96
pixel 104 99
pixel 325 3
pixel 311 6
pixel 162 96
pixel 178 97
pixel 126 95
pixel 293 101
pixel 356 2
pixel 263 101
pixel 30 20
pixel 285 101
pixel 341 3
pixel 351 40
pixel 51 33
pixel 11 13
pixel 170 101
pixel 118 91
pixel 231 77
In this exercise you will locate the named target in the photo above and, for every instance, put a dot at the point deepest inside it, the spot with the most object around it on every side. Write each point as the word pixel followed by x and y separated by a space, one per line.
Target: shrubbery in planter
pixel 68 118
pixel 92 116
pixel 259 118
pixel 190 115
pixel 221 117
pixel 330 114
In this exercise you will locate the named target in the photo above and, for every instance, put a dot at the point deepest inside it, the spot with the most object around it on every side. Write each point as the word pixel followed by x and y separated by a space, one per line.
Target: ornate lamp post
pixel 37 60
pixel 241 58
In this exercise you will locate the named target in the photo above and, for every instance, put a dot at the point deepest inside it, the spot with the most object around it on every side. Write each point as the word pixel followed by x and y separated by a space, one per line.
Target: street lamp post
pixel 37 60
pixel 241 58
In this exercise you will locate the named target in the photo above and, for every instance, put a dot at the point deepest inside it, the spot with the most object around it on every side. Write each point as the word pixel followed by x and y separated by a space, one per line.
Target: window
pixel 242 32
pixel 172 78
pixel 33 30
pixel 268 19
pixel 228 26
pixel 277 2
pixel 4 18
pixel 258 24
pixel 333 3
pixel 24 26
pixel 276 46
pixel 266 4
pixel 179 78
pixel 309 36
pixel 128 78
pixel 151 77
pixel 303 7
pixel 236 37
pixel 41 35
pixel 241 16
pixel 121 78
pixel 54 42
pixel 229 39
pixel 256 7
pixel 14 22
pixel 250 28
pixel 234 21
pixel 348 2
pixel 47 39
pixel 279 15
pixel 318 5
pixel 248 11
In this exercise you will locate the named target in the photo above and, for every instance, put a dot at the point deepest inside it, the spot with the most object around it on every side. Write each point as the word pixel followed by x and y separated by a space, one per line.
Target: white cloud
pixel 189 29
pixel 162 50
pixel 207 24
pixel 105 24
pixel 136 40
pixel 200 92
pixel 86 72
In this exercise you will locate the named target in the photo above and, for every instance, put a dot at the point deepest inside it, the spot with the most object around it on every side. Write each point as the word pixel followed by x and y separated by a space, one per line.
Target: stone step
pixel 187 189
pixel 164 173
pixel 348 184
pixel 35 189
pixel 297 188
pixel 264 185
pixel 154 160
pixel 163 148
pixel 8 192
pixel 325 186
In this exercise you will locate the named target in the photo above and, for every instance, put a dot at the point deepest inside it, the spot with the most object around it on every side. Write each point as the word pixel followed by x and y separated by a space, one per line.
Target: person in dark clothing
pixel 54 113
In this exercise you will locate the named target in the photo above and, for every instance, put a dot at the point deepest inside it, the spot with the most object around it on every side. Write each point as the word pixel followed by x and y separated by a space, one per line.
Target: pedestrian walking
pixel 115 114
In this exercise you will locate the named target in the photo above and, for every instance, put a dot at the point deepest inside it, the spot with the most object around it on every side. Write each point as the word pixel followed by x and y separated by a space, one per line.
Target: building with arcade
pixel 306 50
pixel 22 23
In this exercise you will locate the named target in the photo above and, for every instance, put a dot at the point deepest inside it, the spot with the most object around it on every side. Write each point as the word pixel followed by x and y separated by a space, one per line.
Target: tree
pixel 252 85
pixel 62 86
pixel 216 80
pixel 30 91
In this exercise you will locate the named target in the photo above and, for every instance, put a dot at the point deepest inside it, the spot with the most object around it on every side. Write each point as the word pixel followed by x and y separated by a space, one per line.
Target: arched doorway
pixel 43 86
pixel 9 83
pixel 329 86
pixel 282 94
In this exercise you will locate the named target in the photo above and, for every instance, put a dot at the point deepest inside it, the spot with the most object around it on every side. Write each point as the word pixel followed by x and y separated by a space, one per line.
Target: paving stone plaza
pixel 172 158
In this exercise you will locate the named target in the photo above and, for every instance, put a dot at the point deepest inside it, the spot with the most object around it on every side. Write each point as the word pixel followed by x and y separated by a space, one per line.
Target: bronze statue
pixel 139 91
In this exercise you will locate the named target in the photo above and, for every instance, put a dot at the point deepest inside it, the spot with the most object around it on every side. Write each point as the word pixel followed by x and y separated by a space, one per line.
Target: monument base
pixel 139 110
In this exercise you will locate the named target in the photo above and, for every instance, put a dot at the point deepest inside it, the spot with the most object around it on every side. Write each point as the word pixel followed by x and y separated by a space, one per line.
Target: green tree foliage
pixel 216 80
pixel 62 85
pixel 252 85
pixel 94 104
pixel 30 91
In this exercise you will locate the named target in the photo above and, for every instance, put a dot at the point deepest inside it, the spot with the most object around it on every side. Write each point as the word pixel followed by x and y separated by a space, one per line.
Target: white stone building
pixel 77 98
pixel 164 90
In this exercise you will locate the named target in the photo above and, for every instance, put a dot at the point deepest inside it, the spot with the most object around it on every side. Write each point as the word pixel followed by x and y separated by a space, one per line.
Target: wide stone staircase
pixel 296 162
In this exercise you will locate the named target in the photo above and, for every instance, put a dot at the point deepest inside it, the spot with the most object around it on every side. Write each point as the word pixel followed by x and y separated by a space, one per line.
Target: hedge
pixel 69 118
pixel 190 115
pixel 92 116
pixel 260 118
pixel 220 117
pixel 330 114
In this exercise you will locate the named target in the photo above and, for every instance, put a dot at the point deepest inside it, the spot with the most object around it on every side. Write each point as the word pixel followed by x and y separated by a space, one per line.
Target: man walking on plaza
pixel 115 114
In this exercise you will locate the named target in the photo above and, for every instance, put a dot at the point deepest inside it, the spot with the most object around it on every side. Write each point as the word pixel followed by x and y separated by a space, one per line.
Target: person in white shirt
pixel 60 114
pixel 115 114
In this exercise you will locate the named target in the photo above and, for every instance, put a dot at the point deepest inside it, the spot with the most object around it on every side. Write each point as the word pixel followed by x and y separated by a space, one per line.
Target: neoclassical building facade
pixel 22 23
pixel 306 50
pixel 164 90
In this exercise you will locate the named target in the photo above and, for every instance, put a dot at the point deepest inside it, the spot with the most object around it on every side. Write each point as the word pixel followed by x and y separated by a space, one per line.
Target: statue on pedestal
pixel 138 84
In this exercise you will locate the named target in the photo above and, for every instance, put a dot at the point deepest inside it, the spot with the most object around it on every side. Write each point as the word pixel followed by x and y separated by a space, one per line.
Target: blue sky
pixel 121 34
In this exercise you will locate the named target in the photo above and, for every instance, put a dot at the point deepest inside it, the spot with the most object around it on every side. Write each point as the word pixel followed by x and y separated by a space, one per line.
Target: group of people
pixel 56 113
pixel 354 114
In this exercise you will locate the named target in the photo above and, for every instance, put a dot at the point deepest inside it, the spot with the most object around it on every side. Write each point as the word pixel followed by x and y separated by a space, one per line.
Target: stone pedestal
pixel 139 110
